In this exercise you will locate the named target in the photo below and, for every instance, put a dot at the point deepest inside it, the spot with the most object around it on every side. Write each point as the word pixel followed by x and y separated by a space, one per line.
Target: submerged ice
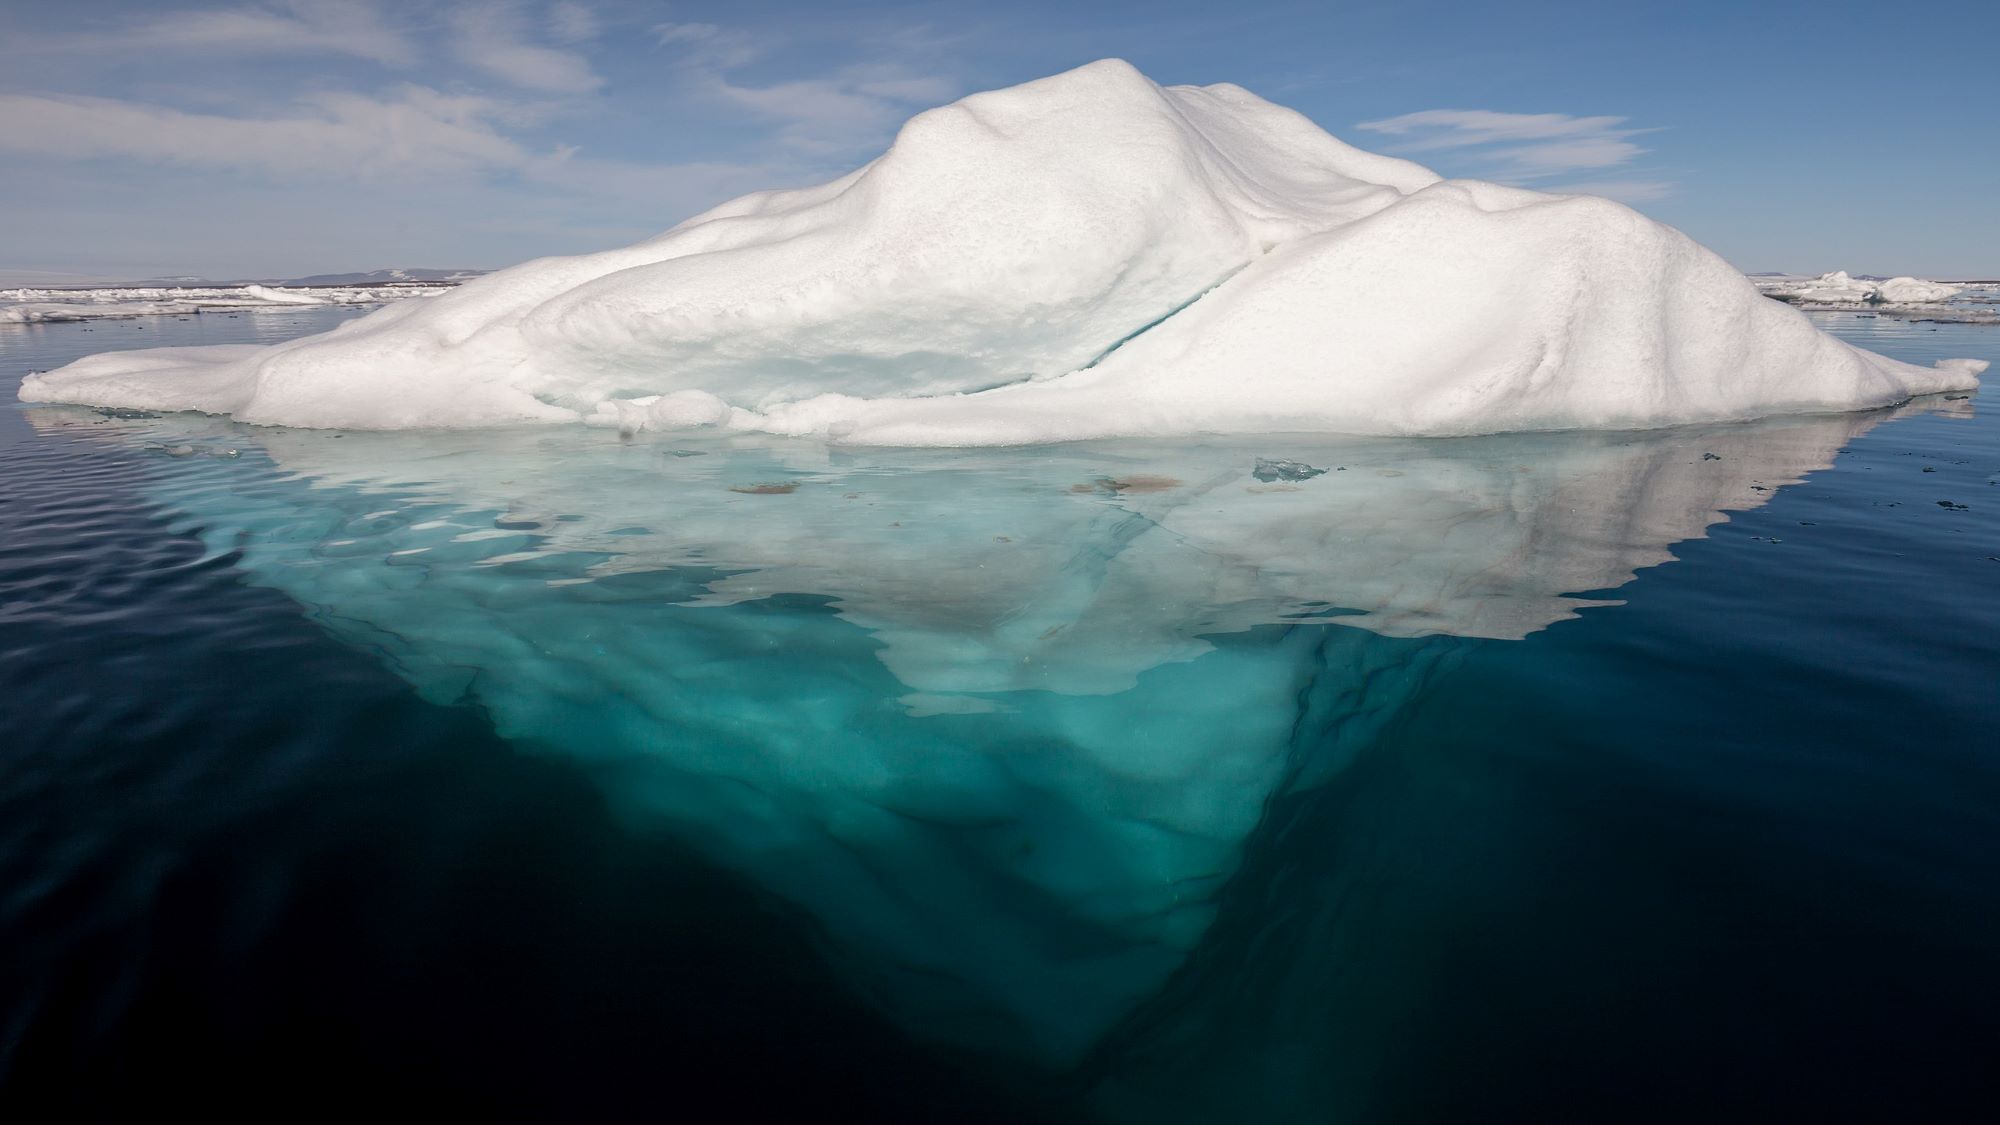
pixel 1083 256
pixel 1002 720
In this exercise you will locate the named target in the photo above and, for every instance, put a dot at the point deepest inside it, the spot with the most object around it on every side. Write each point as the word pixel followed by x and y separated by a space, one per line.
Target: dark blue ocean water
pixel 543 774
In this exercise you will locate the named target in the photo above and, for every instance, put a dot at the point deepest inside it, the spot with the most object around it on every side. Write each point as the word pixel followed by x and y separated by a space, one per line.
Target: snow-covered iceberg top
pixel 1086 255
pixel 1838 288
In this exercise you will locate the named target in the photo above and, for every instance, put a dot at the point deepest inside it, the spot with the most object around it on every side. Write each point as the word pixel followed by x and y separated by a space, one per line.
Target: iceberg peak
pixel 1084 255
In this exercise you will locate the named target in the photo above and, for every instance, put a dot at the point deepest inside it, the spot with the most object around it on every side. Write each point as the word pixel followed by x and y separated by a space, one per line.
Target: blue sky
pixel 282 137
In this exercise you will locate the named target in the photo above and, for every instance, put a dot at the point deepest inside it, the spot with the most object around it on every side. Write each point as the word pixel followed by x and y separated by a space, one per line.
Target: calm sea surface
pixel 543 774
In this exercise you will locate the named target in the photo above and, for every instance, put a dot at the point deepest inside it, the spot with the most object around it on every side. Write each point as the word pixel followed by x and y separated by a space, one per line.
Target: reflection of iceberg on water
pixel 1001 720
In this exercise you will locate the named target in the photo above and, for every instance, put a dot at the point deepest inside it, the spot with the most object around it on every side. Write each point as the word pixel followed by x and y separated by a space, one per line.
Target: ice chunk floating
pixel 1838 288
pixel 1088 255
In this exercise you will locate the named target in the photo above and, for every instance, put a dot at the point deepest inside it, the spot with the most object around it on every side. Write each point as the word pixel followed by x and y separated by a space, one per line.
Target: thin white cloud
pixel 925 89
pixel 669 33
pixel 707 46
pixel 492 37
pixel 817 103
pixel 420 132
pixel 341 27
pixel 665 191
pixel 571 22
pixel 833 114
pixel 1521 147
pixel 1457 128
pixel 1557 157
pixel 417 135
pixel 1624 191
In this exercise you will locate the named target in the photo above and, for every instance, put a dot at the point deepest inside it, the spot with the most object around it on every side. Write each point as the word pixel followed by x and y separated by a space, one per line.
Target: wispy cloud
pixel 834 114
pixel 1624 191
pixel 494 37
pixel 342 27
pixel 847 108
pixel 512 112
pixel 1525 148
pixel 1433 129
pixel 417 132
pixel 571 22
pixel 416 135
pixel 708 46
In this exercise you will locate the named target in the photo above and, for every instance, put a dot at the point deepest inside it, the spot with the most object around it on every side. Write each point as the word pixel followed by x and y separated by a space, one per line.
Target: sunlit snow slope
pixel 1086 255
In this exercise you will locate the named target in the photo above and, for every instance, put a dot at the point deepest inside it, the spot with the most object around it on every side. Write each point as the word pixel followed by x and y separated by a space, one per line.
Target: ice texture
pixel 1000 719
pixel 46 306
pixel 1087 255
pixel 1838 288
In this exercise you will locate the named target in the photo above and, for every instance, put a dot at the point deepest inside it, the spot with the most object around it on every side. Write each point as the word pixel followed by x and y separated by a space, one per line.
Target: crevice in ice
pixel 1162 318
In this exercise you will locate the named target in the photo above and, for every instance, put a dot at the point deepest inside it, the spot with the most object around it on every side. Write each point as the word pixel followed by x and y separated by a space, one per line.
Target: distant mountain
pixel 376 277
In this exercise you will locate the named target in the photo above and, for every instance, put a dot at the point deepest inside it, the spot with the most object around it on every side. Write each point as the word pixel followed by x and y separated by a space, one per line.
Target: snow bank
pixel 1838 288
pixel 1086 255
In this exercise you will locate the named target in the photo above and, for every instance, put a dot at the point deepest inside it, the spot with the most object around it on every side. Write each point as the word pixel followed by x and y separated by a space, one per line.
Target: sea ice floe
pixel 1838 288
pixel 1083 256
pixel 47 306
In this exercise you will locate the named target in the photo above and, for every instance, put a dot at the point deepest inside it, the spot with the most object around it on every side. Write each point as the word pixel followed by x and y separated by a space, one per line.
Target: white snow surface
pixel 1087 255
pixel 1838 288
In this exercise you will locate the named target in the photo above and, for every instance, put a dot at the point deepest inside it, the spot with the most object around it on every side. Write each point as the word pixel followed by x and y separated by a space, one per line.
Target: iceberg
pixel 1088 255
pixel 1001 720
pixel 1838 288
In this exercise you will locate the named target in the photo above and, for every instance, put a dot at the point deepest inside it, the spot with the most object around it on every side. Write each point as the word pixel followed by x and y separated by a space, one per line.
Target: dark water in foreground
pixel 543 775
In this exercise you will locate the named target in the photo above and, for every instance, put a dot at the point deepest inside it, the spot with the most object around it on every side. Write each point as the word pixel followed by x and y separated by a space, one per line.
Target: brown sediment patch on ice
pixel 1137 482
